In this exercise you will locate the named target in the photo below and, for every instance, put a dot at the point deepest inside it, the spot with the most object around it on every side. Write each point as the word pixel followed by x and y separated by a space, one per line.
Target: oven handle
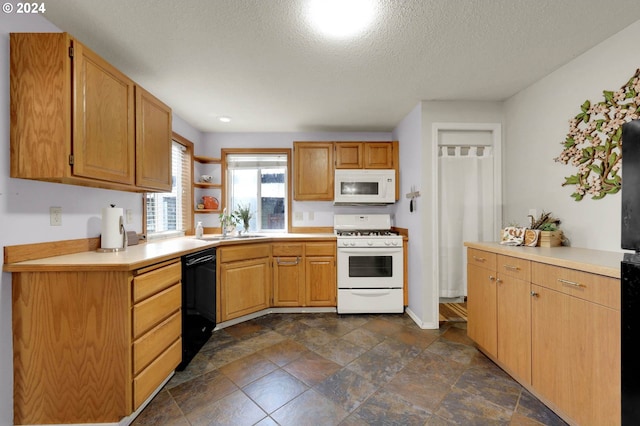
pixel 363 250
pixel 370 292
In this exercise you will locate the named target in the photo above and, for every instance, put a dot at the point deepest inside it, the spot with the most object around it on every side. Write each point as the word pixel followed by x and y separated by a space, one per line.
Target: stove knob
pixel 387 243
pixel 370 243
pixel 353 243
pixel 345 243
pixel 395 243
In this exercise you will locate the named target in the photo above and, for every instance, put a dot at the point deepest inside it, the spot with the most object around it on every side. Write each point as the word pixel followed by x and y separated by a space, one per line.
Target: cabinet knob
pixel 534 294
pixel 498 280
pixel 492 278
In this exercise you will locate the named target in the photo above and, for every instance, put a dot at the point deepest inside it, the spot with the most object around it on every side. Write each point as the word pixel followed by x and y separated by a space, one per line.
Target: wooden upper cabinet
pixel 378 155
pixel 366 155
pixel 313 171
pixel 153 142
pixel 73 119
pixel 103 111
pixel 349 155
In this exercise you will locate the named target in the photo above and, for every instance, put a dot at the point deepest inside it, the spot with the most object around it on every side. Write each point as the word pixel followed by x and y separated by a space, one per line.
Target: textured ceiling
pixel 259 61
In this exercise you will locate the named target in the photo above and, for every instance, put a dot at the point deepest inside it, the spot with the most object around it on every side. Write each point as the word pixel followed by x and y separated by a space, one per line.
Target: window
pixel 260 181
pixel 169 213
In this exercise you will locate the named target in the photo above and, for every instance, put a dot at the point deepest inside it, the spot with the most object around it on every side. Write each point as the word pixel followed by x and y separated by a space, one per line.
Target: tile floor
pixel 326 369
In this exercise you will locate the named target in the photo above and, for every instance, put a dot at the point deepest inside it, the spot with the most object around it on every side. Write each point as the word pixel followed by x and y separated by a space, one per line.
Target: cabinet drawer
pixel 481 258
pixel 243 252
pixel 287 249
pixel 513 267
pixel 151 377
pixel 152 344
pixel 155 309
pixel 585 285
pixel 320 249
pixel 155 281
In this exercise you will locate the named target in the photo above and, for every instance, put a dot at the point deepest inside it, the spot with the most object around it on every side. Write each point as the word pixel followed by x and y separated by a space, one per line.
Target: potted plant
pixel 227 221
pixel 547 225
pixel 244 215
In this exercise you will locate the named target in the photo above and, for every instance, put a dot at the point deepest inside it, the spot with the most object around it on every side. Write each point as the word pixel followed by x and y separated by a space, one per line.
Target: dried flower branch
pixel 594 141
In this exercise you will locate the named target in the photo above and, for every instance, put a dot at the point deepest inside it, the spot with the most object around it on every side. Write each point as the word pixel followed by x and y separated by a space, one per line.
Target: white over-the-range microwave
pixel 364 186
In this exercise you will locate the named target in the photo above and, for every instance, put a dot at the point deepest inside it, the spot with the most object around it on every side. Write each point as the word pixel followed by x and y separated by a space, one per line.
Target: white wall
pixel 409 135
pixel 24 204
pixel 322 211
pixel 537 123
pixel 442 112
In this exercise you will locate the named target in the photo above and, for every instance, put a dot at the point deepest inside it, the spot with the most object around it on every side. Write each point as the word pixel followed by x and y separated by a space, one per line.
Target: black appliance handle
pixel 202 259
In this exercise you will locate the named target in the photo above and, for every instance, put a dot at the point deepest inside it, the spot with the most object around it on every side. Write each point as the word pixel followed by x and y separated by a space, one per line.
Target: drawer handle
pixel 571 283
pixel 288 263
pixel 511 267
pixel 479 259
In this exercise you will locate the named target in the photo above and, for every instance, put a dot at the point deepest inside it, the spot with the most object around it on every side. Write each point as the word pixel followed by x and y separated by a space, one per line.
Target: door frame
pixel 436 129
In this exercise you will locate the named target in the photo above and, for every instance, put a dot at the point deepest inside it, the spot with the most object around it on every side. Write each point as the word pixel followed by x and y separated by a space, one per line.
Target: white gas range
pixel 370 265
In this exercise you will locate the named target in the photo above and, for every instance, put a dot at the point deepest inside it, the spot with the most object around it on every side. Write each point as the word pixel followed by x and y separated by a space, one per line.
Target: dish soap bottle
pixel 199 230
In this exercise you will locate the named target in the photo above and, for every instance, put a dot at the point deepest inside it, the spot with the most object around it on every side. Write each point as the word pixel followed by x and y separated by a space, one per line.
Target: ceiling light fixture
pixel 341 18
pixel 224 119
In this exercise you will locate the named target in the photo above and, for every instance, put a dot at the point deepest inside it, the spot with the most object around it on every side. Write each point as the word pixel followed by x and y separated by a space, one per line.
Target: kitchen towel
pixel 112 220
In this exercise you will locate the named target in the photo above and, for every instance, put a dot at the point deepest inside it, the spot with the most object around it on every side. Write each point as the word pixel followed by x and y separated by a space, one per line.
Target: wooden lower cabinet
pixel 481 308
pixel 514 326
pixel 288 275
pixel 78 355
pixel 556 330
pixel 304 274
pixel 576 356
pixel 320 281
pixel 245 279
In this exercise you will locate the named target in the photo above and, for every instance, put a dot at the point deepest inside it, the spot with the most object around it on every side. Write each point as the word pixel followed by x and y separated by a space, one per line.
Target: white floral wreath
pixel 594 141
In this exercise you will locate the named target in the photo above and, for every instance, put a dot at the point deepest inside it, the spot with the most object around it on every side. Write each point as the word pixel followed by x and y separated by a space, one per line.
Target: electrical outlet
pixel 311 216
pixel 297 216
pixel 129 216
pixel 55 216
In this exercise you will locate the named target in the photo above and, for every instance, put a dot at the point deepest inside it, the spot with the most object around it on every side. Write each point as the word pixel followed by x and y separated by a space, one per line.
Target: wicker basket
pixel 550 238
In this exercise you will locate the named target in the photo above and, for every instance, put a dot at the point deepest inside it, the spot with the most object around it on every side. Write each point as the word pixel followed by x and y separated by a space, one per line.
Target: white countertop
pixel 588 260
pixel 145 254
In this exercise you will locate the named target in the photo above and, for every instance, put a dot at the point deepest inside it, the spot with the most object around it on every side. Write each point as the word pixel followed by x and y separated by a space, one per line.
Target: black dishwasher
pixel 198 302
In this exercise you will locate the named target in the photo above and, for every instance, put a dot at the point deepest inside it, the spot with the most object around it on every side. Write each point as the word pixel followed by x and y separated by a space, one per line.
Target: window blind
pixel 171 211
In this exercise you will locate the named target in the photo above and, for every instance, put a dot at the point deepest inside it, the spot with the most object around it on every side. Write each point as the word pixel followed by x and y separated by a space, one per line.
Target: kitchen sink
pixel 214 237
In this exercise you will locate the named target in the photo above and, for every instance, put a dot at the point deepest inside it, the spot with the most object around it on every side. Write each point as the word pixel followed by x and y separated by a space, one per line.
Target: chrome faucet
pixel 223 222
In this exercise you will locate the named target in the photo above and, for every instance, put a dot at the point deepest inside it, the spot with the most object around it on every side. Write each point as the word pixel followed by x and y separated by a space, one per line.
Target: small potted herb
pixel 244 215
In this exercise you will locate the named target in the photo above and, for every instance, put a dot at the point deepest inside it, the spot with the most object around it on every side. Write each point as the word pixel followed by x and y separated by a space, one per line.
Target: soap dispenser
pixel 199 230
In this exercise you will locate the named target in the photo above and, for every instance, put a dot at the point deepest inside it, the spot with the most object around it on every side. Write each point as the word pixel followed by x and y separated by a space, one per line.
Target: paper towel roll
pixel 112 237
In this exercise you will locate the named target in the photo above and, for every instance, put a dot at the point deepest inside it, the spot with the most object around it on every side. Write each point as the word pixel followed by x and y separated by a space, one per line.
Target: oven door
pixel 370 268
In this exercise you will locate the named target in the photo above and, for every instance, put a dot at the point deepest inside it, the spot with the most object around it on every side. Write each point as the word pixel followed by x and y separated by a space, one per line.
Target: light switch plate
pixel 297 216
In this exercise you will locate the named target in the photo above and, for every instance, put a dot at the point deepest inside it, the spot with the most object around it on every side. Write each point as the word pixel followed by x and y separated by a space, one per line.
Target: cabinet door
pixel 349 155
pixel 378 155
pixel 313 171
pixel 288 281
pixel 481 308
pixel 103 112
pixel 153 142
pixel 576 356
pixel 244 287
pixel 514 326
pixel 320 280
pixel 40 88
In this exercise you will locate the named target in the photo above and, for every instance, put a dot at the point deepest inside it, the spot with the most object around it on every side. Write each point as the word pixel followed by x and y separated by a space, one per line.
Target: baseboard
pixel 264 312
